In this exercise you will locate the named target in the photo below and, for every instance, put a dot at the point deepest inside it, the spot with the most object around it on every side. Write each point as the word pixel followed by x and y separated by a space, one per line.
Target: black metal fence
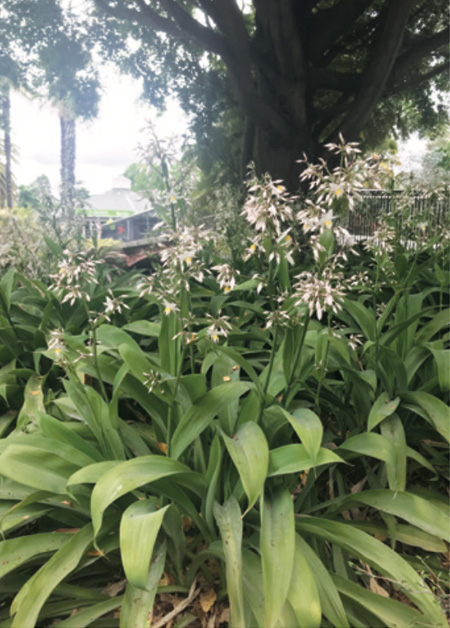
pixel 406 212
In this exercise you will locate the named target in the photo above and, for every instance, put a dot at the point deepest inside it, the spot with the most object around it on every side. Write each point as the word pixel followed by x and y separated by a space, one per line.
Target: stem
pixel 272 358
pixel 172 405
pixel 322 373
pixel 298 352
pixel 94 353
pixel 189 326
pixel 96 366
pixel 6 106
pixel 376 326
pixel 269 371
pixel 270 270
pixel 167 185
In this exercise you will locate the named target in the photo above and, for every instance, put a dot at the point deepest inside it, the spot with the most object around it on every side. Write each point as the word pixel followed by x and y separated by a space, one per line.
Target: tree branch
pixel 376 75
pixel 182 26
pixel 201 35
pixel 150 18
pixel 322 118
pixel 420 48
pixel 330 24
pixel 278 22
pixel 230 22
pixel 420 78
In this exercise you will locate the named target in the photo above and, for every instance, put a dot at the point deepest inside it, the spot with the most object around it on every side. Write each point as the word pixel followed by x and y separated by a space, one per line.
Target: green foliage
pixel 22 242
pixel 37 195
pixel 292 410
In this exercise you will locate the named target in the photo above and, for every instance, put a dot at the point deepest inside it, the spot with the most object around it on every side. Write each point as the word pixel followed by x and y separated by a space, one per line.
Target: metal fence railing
pixel 375 206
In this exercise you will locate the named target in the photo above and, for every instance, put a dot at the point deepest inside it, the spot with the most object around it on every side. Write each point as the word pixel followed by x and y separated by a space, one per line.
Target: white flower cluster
pixel 314 218
pixel 319 293
pixel 154 380
pixel 112 305
pixel 382 241
pixel 268 210
pixel 76 273
pixel 181 259
pixel 218 326
pixel 268 206
pixel 226 276
pixel 345 181
pixel 56 342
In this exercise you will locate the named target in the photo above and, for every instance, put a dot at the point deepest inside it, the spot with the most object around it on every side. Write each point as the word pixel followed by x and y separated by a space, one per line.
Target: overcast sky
pixel 105 146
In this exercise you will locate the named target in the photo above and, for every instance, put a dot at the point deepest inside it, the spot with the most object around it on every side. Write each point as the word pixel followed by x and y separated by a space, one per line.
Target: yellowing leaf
pixel 33 403
pixel 207 600
pixel 165 580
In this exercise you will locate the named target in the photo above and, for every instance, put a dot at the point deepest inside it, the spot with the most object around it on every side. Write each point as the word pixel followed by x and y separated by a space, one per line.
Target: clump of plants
pixel 269 436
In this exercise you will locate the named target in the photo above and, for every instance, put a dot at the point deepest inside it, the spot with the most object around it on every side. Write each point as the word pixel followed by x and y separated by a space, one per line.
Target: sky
pixel 411 152
pixel 105 146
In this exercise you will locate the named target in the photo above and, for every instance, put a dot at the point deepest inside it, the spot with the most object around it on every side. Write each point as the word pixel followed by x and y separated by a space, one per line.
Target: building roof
pixel 118 202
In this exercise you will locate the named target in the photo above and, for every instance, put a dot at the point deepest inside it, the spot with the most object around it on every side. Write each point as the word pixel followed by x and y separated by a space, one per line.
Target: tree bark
pixel 67 157
pixel 377 73
pixel 282 83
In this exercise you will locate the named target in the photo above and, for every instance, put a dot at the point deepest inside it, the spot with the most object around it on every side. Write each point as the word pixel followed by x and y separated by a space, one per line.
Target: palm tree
pixel 73 86
pixel 67 159
pixel 7 147
pixel 2 176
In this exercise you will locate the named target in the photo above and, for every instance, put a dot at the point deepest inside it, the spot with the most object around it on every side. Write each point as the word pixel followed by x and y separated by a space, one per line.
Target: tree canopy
pixel 301 72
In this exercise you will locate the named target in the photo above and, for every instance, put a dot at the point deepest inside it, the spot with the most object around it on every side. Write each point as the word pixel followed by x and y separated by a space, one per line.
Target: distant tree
pixel 301 72
pixel 143 182
pixel 435 163
pixel 37 195
pixel 73 86
pixel 443 157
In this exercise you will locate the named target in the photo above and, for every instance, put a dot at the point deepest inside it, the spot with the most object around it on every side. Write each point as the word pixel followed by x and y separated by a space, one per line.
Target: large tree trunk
pixel 279 160
pixel 6 119
pixel 282 85
pixel 68 152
